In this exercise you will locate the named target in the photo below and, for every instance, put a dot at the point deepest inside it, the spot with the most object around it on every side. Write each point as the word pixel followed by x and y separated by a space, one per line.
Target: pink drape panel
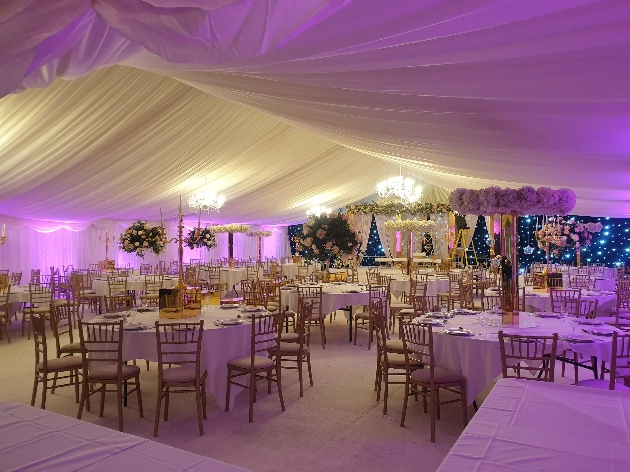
pixel 39 245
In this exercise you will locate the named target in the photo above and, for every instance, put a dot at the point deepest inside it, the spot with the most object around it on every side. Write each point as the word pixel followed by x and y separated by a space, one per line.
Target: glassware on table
pixel 443 309
pixel 483 321
pixel 573 322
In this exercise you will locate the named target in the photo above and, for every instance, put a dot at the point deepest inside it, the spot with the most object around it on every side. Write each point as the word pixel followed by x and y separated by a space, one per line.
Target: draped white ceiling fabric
pixel 468 93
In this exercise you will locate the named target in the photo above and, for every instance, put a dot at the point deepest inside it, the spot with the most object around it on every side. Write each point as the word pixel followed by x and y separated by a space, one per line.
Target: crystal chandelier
pixel 206 201
pixel 318 210
pixel 401 188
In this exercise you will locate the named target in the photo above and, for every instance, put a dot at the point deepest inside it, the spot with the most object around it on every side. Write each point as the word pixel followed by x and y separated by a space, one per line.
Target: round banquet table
pixel 607 272
pixel 434 286
pixel 540 301
pixel 335 296
pixel 134 282
pixel 220 344
pixel 478 357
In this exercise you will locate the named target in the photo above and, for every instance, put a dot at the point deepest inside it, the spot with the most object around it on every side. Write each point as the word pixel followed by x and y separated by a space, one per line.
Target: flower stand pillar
pixel 231 249
pixel 509 268
pixel 491 235
pixel 578 255
pixel 259 248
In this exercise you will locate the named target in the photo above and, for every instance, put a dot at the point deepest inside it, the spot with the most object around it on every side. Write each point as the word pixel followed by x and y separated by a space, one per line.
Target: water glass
pixel 443 309
pixel 483 321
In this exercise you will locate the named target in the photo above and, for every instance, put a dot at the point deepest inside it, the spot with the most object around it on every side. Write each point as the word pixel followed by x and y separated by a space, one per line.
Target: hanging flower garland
pixel 397 208
pixel 231 228
pixel 200 237
pixel 141 237
pixel 413 226
pixel 259 234
pixel 525 200
pixel 324 237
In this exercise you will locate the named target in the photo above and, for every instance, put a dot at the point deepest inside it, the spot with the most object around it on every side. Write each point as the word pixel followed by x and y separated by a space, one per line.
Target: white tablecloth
pixel 540 301
pixel 134 282
pixel 536 426
pixel 34 439
pixel 19 294
pixel 608 272
pixel 434 286
pixel 334 297
pixel 220 345
pixel 478 357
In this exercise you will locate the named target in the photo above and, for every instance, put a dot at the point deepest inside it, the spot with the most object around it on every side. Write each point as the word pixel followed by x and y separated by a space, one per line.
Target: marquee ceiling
pixel 300 103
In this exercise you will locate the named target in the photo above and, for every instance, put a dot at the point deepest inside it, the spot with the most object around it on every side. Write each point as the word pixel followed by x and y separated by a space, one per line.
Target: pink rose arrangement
pixel 561 234
pixel 141 237
pixel 324 237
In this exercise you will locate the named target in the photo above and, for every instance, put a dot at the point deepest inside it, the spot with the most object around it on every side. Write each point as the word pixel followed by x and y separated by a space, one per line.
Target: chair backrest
pixel 101 343
pixel 145 269
pixel 191 275
pixel 251 292
pixel 417 341
pixel 588 308
pixel 4 298
pixel 266 331
pixel 466 295
pixel 153 283
pixel 490 299
pixel 38 324
pixel 305 310
pixel 569 300
pixel 378 292
pixel 311 294
pixel 179 343
pixel 372 275
pixel 117 285
pixel 16 278
pixel 380 323
pixel 35 274
pixel 539 352
pixel 117 303
pixel 61 322
pixel 4 280
pixel 620 359
pixel 580 281
pixel 39 294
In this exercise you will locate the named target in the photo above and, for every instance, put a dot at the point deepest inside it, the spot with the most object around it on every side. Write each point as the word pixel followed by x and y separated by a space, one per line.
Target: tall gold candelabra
pixel 107 240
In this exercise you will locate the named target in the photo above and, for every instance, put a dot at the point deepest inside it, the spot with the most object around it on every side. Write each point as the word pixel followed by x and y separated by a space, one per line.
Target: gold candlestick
pixel 107 240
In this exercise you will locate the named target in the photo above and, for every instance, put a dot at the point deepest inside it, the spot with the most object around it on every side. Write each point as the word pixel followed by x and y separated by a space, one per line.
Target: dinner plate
pixel 431 321
pixel 439 315
pixel 546 314
pixel 590 322
pixel 112 316
pixel 232 322
pixel 457 332
pixel 577 338
pixel 460 311
pixel 134 327
pixel 598 332
pixel 145 310
pixel 227 306
pixel 254 308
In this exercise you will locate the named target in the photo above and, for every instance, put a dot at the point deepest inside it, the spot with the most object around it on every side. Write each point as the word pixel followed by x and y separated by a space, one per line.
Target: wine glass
pixel 443 310
pixel 573 322
pixel 483 321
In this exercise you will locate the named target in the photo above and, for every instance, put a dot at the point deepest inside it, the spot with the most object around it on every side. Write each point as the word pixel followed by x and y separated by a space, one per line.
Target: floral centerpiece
pixel 413 226
pixel 525 201
pixel 559 234
pixel 324 237
pixel 200 237
pixel 397 208
pixel 141 237
pixel 343 264
pixel 231 228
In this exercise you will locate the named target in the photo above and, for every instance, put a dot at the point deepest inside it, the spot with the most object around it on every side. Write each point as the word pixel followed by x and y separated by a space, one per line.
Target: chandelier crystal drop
pixel 401 188
pixel 318 210
pixel 206 201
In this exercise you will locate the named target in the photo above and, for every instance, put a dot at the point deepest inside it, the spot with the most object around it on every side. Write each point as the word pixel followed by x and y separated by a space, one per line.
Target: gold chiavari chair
pixel 619 366
pixel 35 274
pixel 429 380
pixel 4 310
pixel 365 320
pixel 39 303
pixel 620 318
pixel 310 294
pixel 416 289
pixel 152 286
pixel 257 367
pixel 101 355
pixel 298 351
pixel 388 358
pixel 567 300
pixel 118 298
pixel 372 276
pixel 15 279
pixel 146 269
pixel 251 293
pixel 180 343
pixel 466 300
pixel 82 296
pixel 538 352
pixel 586 309
pixel 580 281
pixel 70 365
pixel 302 273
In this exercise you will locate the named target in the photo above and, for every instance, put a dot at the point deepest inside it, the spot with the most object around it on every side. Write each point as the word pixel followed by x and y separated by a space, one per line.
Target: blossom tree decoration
pixel 525 201
pixel 324 237
pixel 141 237
pixel 559 234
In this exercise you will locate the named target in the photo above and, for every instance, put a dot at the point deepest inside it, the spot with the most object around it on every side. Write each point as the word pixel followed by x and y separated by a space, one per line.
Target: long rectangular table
pixel 34 439
pixel 534 426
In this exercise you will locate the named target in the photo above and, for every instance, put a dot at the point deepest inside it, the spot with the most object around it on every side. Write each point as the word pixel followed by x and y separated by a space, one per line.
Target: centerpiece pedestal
pixel 509 269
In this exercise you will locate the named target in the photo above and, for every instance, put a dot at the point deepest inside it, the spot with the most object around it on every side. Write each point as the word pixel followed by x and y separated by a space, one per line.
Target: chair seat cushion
pixel 289 337
pixel 399 359
pixel 602 385
pixel 60 301
pixel 108 372
pixel 150 296
pixel 246 362
pixel 61 364
pixel 441 376
pixel 396 306
pixel 291 349
pixel 180 375
pixel 39 309
pixel 394 345
pixel 407 311
pixel 74 347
